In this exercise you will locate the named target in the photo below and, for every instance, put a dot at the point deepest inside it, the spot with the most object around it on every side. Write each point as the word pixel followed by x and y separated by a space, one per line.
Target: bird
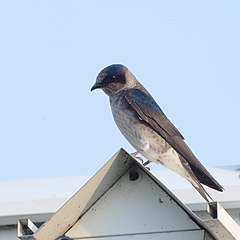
pixel 146 127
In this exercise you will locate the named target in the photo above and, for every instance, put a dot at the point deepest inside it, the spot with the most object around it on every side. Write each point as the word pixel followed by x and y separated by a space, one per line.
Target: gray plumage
pixel 149 131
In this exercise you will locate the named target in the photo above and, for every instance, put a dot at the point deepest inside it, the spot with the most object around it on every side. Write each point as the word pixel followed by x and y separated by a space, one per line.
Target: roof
pixel 218 223
pixel 32 199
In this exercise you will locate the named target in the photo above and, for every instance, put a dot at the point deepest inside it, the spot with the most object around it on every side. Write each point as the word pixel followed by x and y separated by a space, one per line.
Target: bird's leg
pixel 146 163
pixel 143 149
pixel 134 154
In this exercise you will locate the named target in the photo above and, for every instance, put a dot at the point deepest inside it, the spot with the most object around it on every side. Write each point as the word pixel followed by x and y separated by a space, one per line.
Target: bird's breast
pixel 126 120
pixel 135 130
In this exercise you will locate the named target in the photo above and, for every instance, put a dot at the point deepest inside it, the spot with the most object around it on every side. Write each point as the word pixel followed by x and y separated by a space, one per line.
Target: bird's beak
pixel 95 86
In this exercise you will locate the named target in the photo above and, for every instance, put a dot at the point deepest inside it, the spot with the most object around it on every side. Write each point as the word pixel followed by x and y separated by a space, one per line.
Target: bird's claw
pixel 145 164
pixel 141 160
pixel 137 158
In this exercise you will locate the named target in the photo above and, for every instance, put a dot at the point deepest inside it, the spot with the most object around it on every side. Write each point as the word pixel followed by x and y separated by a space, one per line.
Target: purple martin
pixel 148 130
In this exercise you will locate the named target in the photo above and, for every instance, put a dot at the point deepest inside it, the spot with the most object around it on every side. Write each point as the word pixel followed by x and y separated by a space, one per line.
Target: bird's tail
pixel 195 182
pixel 203 192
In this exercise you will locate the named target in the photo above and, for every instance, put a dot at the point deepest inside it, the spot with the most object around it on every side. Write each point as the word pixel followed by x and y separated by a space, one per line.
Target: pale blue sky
pixel 186 53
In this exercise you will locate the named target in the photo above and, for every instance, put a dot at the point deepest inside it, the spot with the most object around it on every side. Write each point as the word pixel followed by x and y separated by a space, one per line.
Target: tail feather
pixel 195 181
pixel 207 179
pixel 203 192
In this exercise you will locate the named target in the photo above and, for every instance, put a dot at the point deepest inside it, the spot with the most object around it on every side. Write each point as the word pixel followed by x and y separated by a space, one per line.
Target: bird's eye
pixel 113 77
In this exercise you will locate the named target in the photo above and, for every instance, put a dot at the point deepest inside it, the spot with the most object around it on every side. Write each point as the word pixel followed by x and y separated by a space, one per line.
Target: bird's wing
pixel 149 111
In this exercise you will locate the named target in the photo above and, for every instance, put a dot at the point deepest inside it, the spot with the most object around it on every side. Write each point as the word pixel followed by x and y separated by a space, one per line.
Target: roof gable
pixel 123 199
pixel 133 207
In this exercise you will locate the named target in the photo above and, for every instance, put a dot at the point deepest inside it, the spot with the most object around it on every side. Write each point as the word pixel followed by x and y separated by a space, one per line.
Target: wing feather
pixel 149 111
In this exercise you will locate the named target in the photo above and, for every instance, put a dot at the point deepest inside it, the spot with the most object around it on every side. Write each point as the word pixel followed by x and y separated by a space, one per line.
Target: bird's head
pixel 114 78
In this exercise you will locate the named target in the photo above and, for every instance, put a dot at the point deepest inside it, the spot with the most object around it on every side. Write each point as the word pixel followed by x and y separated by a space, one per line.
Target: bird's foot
pixel 145 164
pixel 141 160
pixel 137 157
